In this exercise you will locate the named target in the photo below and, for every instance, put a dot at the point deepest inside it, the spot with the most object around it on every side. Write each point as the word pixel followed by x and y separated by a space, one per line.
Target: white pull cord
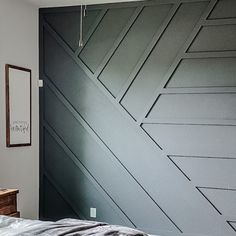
pixel 81 43
pixel 85 10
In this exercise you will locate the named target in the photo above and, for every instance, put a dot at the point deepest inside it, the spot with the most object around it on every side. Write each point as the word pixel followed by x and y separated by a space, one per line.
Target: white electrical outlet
pixel 93 212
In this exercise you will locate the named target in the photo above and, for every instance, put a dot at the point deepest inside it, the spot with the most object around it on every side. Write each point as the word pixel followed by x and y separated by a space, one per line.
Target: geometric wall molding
pixel 221 199
pixel 136 98
pixel 223 9
pixel 215 172
pixel 103 38
pixel 147 24
pixel 200 190
pixel 57 207
pixel 232 224
pixel 84 155
pixel 140 122
pixel 67 25
pixel 202 140
pixel 186 106
pixel 202 43
pixel 189 70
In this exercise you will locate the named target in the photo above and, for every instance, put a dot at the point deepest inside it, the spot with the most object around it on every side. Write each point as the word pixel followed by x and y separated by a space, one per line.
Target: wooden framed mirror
pixel 18 106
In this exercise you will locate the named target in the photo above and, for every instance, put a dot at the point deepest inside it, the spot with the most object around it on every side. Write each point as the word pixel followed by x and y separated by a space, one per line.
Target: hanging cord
pixel 81 43
pixel 85 10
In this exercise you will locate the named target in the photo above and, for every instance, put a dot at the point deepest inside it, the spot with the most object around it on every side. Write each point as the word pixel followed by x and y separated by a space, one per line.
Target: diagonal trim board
pixel 222 198
pixel 177 60
pixel 87 174
pixel 215 172
pixel 59 57
pixel 199 189
pixel 142 146
pixel 232 224
pixel 159 62
pixel 63 195
pixel 120 168
pixel 100 42
pixel 147 52
pixel 118 41
pixel 127 42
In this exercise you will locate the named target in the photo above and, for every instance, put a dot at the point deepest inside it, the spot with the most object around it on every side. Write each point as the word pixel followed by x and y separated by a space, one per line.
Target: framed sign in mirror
pixel 18 106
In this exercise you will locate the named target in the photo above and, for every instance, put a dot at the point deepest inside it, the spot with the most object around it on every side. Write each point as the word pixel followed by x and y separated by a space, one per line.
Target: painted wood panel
pixel 90 141
pixel 232 224
pixel 223 199
pixel 160 59
pixel 104 36
pixel 195 106
pixel 204 72
pixel 66 24
pixel 73 181
pixel 121 186
pixel 224 9
pixel 215 172
pixel 212 38
pixel 55 206
pixel 132 47
pixel 194 140
pixel 128 144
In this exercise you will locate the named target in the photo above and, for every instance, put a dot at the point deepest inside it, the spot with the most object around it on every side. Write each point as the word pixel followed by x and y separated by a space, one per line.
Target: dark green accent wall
pixel 140 123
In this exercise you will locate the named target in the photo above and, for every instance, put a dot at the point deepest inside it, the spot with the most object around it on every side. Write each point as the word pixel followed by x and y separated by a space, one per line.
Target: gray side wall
pixel 140 122
pixel 19 46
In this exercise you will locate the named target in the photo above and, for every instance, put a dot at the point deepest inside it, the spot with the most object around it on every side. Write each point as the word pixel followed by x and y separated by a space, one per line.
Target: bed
pixel 10 226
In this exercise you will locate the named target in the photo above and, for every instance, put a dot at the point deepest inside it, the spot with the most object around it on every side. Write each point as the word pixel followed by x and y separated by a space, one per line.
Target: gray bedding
pixel 71 227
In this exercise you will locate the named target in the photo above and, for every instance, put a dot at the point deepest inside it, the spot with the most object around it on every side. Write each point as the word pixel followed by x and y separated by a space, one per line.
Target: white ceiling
pixel 57 3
